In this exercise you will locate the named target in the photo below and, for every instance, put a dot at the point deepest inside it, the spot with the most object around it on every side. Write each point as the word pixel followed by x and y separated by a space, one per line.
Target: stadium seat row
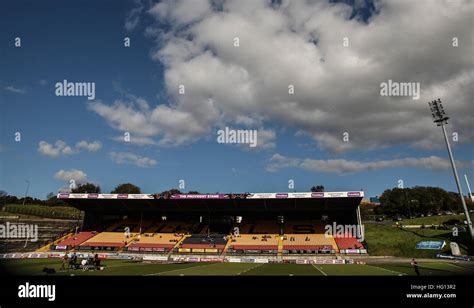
pixel 164 242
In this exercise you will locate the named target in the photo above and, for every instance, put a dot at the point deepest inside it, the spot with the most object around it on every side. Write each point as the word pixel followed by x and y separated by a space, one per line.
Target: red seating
pixel 348 243
pixel 308 247
pixel 104 244
pixel 76 240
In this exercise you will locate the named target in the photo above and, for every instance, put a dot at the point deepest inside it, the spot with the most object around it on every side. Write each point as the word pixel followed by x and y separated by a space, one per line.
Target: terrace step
pixel 178 243
pixel 229 242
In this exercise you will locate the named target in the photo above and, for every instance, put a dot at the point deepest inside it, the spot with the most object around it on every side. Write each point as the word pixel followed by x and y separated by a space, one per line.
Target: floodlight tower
pixel 26 192
pixel 440 118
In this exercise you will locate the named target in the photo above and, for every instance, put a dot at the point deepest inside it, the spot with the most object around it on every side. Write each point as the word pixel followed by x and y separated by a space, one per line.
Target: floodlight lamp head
pixel 437 112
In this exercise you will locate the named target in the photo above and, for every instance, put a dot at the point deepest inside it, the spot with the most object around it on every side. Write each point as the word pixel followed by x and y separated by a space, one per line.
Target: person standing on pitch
pixel 64 262
pixel 415 266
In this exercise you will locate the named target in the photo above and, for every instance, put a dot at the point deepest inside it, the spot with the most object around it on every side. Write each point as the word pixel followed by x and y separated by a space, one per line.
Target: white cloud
pixel 133 159
pixel 89 146
pixel 61 148
pixel 138 140
pixel 266 140
pixel 133 18
pixel 73 174
pixel 72 177
pixel 278 161
pixel 15 90
pixel 174 126
pixel 180 11
pixel 336 87
pixel 343 166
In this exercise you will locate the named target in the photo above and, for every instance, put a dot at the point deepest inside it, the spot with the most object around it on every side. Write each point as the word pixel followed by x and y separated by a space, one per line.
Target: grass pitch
pixel 120 267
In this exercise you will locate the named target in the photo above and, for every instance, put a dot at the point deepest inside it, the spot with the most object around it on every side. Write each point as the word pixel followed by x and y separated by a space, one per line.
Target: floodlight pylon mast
pixel 468 186
pixel 440 118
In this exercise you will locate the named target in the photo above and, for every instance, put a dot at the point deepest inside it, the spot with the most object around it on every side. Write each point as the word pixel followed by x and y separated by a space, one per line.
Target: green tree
pixel 174 191
pixel 126 188
pixel 319 188
pixel 86 188
pixel 416 200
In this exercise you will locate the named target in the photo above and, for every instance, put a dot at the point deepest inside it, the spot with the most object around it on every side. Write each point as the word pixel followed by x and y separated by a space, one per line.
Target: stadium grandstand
pixel 278 224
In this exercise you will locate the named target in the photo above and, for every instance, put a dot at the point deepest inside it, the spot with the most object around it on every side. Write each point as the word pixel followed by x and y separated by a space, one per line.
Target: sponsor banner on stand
pixel 108 196
pixel 57 255
pixel 335 194
pixel 451 257
pixel 122 256
pixel 281 195
pixel 290 195
pixel 33 255
pixel 37 255
pixel 355 251
pixel 211 260
pixel 200 196
pixel 140 196
pixel 78 196
pixel 329 261
pixel 353 194
pixel 154 258
pixel 261 260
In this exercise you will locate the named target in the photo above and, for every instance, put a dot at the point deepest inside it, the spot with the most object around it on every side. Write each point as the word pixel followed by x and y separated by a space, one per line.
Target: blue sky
pixel 84 42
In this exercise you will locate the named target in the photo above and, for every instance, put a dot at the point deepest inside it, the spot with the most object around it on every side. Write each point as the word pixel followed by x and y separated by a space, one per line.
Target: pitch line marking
pixel 250 268
pixel 320 270
pixel 181 269
pixel 384 269
pixel 112 266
